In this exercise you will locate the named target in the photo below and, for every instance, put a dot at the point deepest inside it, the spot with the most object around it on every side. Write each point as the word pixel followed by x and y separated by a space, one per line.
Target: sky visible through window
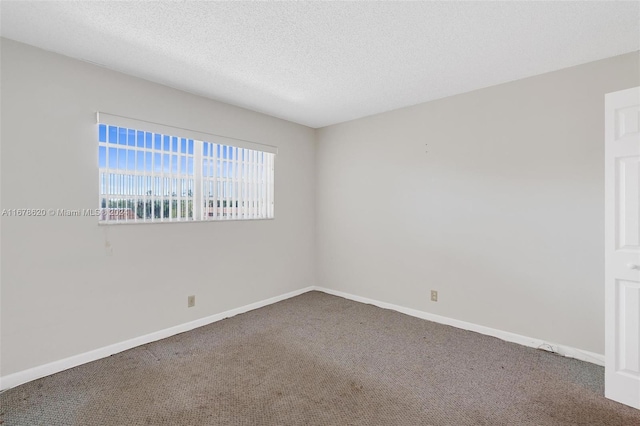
pixel 154 175
pixel 137 151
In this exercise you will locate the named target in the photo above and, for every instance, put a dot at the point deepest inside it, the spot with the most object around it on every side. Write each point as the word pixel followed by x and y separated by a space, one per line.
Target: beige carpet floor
pixel 318 359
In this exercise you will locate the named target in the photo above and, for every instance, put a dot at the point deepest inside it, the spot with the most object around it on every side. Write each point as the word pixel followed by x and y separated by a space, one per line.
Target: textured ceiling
pixel 323 63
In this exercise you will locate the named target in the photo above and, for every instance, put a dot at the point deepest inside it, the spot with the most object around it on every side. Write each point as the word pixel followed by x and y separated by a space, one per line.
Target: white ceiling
pixel 322 63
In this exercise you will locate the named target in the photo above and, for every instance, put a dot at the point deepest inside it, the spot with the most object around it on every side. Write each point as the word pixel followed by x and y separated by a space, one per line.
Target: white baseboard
pixel 563 350
pixel 15 379
pixel 38 372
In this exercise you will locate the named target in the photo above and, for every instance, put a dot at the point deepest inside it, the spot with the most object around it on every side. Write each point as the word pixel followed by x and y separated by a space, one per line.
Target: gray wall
pixel 61 294
pixel 503 215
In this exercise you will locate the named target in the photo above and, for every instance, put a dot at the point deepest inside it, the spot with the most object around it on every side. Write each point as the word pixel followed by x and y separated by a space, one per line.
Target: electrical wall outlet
pixel 191 301
pixel 434 296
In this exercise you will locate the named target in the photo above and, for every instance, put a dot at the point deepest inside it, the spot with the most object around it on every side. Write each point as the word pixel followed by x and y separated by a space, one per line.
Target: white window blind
pixel 150 172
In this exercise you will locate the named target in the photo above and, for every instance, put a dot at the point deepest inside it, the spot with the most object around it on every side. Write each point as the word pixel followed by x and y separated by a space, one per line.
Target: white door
pixel 622 246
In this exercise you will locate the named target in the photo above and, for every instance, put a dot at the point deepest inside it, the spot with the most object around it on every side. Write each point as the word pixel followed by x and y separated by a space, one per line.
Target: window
pixel 167 176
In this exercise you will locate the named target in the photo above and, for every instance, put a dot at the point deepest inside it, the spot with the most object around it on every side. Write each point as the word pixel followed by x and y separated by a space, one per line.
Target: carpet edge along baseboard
pixel 24 376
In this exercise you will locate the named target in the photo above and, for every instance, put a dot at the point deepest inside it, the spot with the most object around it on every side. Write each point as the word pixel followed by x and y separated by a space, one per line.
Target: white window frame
pixel 234 181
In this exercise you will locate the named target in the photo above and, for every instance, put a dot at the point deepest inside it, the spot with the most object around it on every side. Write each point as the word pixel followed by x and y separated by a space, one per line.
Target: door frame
pixel 622 257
